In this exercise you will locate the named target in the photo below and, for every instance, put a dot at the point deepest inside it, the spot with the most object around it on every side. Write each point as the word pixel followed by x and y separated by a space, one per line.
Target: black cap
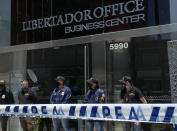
pixel 126 78
pixel 92 80
pixel 2 82
pixel 60 78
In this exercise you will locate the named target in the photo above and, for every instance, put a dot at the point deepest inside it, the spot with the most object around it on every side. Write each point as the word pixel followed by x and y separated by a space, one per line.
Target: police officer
pixel 131 94
pixel 6 97
pixel 94 95
pixel 61 95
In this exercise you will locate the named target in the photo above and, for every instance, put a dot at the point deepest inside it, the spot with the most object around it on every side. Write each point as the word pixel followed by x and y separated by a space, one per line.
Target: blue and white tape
pixel 152 113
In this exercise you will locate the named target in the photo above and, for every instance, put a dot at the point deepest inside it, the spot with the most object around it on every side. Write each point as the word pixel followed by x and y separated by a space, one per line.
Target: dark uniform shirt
pixel 27 98
pixel 132 96
pixel 94 96
pixel 61 96
pixel 6 97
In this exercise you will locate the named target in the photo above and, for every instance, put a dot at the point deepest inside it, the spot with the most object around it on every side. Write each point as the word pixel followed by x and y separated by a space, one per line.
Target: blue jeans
pixel 98 124
pixel 58 122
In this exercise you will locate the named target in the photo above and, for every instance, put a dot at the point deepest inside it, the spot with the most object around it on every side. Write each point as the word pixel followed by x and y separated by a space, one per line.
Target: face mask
pixel 93 87
pixel 59 84
pixel 22 87
pixel 123 85
pixel 89 85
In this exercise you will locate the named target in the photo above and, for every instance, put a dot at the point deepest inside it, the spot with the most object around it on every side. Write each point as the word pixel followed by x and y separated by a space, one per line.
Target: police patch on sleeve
pixel 3 96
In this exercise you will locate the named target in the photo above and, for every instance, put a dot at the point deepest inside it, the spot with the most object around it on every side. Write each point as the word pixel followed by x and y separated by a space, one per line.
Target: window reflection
pixel 146 60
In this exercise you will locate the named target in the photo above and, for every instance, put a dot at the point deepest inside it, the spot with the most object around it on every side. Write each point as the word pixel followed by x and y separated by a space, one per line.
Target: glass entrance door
pixel 70 62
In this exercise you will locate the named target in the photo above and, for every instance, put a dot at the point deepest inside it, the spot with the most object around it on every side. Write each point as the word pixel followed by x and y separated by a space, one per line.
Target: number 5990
pixel 116 46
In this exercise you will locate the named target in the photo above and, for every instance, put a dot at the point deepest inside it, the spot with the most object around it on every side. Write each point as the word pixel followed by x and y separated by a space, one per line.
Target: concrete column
pixel 173 16
pixel 17 74
pixel 172 53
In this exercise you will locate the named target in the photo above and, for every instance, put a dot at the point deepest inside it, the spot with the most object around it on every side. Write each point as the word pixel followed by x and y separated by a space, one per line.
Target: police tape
pixel 152 113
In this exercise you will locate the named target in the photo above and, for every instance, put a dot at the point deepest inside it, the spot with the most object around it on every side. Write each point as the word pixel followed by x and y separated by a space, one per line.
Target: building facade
pixel 78 39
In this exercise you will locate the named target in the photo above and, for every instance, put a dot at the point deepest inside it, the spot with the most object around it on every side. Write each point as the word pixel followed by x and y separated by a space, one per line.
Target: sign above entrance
pixel 45 20
pixel 100 17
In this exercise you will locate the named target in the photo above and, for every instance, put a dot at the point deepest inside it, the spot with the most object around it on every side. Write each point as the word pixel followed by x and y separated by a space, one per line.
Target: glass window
pixel 47 64
pixel 145 59
pixel 41 67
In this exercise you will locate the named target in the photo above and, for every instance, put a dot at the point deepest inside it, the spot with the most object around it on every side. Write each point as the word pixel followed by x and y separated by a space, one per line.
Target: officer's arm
pixel 11 98
pixel 143 100
pixel 141 97
pixel 67 97
pixel 51 102
pixel 86 99
pixel 19 99
pixel 33 96
pixel 122 93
